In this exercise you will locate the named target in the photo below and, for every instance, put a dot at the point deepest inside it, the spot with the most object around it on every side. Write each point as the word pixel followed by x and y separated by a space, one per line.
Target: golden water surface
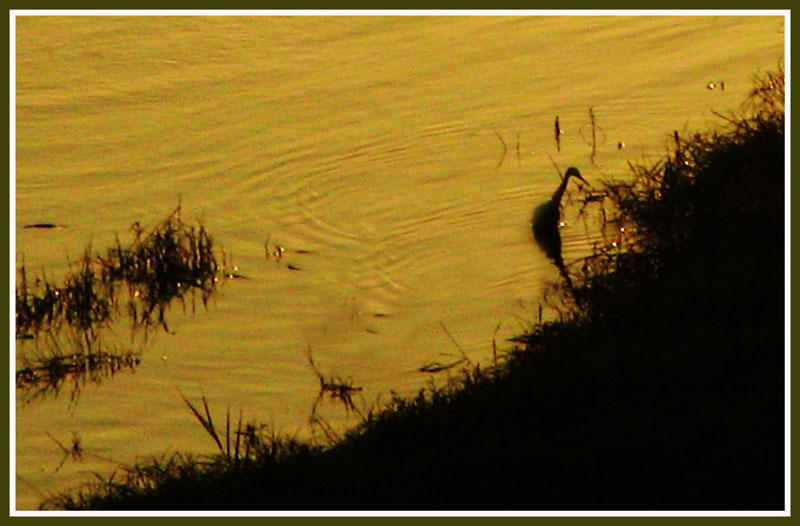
pixel 396 160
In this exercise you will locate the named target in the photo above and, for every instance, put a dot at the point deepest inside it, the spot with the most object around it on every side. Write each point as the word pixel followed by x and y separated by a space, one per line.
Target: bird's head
pixel 572 171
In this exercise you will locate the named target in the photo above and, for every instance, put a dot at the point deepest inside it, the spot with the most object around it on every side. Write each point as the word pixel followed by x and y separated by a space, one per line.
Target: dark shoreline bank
pixel 662 387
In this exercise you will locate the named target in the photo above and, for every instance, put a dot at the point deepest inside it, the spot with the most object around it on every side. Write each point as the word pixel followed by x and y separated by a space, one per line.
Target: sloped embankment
pixel 662 388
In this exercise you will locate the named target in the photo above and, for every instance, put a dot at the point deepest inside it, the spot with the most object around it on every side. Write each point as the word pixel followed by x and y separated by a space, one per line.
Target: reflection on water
pixel 350 167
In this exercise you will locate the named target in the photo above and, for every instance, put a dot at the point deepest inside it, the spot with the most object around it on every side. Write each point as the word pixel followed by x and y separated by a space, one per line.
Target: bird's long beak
pixel 580 178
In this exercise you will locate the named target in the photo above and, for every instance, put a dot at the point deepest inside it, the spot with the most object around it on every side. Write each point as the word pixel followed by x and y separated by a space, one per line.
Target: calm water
pixel 375 144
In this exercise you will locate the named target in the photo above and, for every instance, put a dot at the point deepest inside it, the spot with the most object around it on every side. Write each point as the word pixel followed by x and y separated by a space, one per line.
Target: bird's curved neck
pixel 560 190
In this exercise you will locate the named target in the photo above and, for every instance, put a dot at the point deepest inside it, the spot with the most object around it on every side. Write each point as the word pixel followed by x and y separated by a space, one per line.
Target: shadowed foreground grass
pixel 661 388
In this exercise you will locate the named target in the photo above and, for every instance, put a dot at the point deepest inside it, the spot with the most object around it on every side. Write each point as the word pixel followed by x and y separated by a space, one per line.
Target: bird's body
pixel 546 219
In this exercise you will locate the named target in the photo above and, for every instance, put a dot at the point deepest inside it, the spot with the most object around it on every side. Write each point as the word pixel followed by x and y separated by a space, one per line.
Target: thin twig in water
pixel 463 354
pixel 76 451
pixel 505 149
pixel 594 138
pixel 560 175
pixel 452 339
pixel 595 129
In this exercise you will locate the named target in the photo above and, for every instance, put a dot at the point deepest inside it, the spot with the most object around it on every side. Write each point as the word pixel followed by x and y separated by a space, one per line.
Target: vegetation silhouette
pixel 663 388
pixel 60 328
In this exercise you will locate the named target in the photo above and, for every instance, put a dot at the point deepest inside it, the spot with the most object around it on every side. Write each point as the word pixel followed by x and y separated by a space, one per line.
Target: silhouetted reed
pixel 240 445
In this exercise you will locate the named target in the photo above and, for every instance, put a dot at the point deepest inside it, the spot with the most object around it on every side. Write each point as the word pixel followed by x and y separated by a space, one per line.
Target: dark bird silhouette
pixel 546 221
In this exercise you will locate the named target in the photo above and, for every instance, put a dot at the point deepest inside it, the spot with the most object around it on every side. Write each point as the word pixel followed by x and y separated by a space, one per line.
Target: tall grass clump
pixel 708 214
pixel 252 465
pixel 171 261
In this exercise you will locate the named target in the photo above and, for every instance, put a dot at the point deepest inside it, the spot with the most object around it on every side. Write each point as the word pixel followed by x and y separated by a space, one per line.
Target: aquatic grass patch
pixel 82 301
pixel 60 328
pixel 171 261
pixel 40 377
pixel 47 368
pixel 167 263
